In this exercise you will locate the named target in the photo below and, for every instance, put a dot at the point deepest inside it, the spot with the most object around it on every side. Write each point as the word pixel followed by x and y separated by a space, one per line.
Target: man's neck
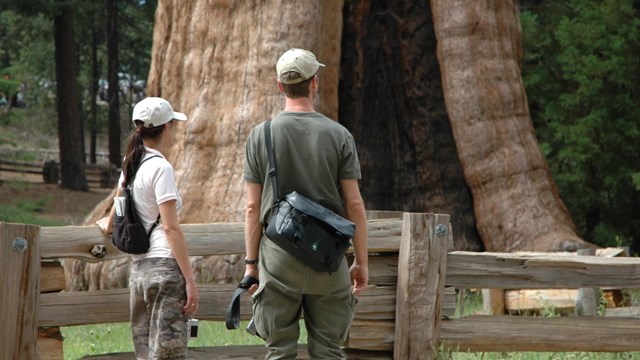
pixel 299 104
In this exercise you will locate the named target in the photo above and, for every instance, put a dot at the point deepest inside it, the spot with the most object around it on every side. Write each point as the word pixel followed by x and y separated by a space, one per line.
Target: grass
pixel 25 212
pixel 28 129
pixel 108 338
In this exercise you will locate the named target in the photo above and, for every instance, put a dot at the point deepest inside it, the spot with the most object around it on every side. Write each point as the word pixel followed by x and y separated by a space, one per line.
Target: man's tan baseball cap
pixel 300 61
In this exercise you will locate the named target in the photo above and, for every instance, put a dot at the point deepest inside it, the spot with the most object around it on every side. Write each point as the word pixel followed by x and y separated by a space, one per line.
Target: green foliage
pixel 582 71
pixel 27 45
pixel 8 84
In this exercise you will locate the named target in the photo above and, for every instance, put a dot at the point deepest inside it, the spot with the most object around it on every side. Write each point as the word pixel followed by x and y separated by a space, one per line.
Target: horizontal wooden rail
pixel 557 334
pixel 50 171
pixel 77 241
pixel 540 271
pixel 107 306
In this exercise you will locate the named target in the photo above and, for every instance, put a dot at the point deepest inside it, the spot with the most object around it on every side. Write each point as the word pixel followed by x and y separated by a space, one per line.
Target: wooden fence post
pixel 19 290
pixel 588 299
pixel 422 264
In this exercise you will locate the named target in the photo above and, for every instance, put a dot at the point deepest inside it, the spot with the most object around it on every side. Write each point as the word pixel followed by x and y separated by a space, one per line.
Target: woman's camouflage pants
pixel 158 325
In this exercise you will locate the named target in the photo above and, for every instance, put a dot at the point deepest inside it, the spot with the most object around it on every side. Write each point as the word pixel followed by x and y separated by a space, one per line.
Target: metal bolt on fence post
pixel 441 229
pixel 19 245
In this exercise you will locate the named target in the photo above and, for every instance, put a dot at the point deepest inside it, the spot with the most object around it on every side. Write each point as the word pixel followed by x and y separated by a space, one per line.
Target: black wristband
pixel 251 262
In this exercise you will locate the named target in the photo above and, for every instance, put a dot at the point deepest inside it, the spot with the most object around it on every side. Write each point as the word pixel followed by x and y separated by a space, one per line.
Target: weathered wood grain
pixel 556 334
pixel 371 335
pixel 540 271
pixel 376 303
pixel 228 238
pixel 19 290
pixel 631 312
pixel 51 276
pixel 108 306
pixel 421 277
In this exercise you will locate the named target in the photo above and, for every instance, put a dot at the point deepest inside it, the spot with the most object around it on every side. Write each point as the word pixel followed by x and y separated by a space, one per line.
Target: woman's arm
pixel 175 237
pixel 106 223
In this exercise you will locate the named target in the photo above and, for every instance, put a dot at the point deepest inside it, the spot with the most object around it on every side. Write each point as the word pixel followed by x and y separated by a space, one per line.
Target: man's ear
pixel 280 87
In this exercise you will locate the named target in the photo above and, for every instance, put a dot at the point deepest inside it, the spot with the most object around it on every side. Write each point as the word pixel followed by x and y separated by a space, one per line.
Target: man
pixel 316 157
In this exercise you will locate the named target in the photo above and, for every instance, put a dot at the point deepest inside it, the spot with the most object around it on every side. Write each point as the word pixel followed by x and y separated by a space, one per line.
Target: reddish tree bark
pixel 516 201
pixel 392 101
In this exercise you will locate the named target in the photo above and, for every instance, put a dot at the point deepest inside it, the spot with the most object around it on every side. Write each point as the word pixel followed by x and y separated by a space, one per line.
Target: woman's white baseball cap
pixel 155 111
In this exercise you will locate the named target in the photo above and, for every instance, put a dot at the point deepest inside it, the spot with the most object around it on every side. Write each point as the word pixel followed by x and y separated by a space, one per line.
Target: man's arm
pixel 355 211
pixel 252 227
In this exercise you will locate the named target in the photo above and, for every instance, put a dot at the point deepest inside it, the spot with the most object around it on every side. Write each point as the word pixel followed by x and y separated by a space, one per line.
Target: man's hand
pixel 252 270
pixel 359 277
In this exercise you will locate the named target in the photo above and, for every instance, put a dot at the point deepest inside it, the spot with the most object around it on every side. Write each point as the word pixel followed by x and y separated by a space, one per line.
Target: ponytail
pixel 135 150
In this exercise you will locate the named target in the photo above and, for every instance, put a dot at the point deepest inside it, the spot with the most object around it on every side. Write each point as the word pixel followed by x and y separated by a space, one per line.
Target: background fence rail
pixel 98 175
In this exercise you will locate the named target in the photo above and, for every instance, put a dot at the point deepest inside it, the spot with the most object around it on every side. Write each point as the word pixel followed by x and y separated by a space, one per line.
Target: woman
pixel 163 287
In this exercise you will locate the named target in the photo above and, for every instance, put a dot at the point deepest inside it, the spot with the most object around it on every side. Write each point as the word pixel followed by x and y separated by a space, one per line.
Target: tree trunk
pixel 219 68
pixel 70 129
pixel 95 75
pixel 216 63
pixel 516 202
pixel 391 99
pixel 113 93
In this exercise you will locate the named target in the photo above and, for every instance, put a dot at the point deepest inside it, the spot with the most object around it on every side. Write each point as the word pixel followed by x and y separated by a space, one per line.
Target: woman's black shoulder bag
pixel 305 229
pixel 129 235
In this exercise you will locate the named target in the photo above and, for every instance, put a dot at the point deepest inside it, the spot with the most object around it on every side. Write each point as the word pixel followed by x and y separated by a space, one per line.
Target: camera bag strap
pixel 272 161
pixel 233 310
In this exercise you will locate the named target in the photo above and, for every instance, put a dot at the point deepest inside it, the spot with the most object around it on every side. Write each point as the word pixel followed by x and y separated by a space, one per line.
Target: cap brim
pixel 179 116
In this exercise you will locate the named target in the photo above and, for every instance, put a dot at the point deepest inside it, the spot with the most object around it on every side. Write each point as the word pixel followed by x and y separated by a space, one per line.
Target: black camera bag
pixel 305 229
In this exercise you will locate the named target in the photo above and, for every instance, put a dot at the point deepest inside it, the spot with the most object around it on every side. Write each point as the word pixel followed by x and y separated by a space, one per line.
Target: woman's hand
pixel 105 226
pixel 193 298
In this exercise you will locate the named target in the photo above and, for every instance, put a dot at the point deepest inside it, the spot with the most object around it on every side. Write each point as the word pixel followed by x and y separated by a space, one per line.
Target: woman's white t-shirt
pixel 153 185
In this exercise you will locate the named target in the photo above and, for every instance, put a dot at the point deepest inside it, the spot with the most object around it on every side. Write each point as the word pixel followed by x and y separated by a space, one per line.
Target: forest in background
pixel 581 70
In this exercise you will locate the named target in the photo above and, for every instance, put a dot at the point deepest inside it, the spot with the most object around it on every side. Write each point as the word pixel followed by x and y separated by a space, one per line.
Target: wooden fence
pixel 407 313
pixel 98 175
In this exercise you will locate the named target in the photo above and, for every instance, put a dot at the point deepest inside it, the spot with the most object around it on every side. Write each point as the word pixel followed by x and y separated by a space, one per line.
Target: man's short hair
pixel 297 90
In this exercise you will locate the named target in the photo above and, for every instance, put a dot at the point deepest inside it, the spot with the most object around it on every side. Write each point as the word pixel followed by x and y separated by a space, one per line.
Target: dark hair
pixel 298 90
pixel 135 149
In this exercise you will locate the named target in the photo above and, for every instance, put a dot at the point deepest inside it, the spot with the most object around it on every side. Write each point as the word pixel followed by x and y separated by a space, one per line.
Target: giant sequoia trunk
pixel 517 206
pixel 391 99
pixel 216 63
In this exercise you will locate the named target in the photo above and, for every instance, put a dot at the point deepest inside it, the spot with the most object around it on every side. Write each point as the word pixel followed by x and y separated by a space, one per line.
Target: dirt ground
pixel 64 206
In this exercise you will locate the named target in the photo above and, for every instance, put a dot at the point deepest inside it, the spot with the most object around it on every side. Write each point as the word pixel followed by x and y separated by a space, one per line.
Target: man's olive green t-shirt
pixel 312 154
